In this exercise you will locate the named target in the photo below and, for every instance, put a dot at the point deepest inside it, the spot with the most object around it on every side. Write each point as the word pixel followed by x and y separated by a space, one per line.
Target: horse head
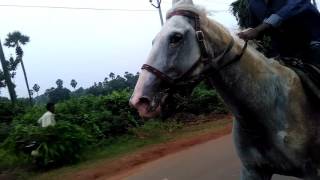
pixel 182 51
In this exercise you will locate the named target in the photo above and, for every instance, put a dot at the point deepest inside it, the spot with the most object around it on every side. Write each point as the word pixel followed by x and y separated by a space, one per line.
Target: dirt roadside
pixel 119 168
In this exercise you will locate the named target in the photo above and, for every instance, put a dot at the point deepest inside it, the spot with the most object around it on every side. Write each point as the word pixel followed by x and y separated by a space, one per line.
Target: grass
pixel 152 133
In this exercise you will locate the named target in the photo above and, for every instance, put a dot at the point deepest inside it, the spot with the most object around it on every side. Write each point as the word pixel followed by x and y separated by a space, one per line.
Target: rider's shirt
pixel 47 119
pixel 296 23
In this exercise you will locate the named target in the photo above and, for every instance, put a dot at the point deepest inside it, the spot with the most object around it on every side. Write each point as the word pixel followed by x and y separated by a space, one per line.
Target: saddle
pixel 308 73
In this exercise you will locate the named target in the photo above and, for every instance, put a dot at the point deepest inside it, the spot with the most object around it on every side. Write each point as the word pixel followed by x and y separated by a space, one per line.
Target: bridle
pixel 204 58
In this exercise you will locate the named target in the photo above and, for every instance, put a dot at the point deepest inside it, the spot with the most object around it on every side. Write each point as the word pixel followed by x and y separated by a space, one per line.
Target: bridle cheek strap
pixel 197 28
pixel 158 73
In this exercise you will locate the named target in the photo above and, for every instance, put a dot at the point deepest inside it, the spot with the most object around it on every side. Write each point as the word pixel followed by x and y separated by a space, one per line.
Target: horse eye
pixel 176 38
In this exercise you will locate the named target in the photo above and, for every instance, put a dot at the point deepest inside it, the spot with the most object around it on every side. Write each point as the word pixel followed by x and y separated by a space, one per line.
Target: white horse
pixel 276 123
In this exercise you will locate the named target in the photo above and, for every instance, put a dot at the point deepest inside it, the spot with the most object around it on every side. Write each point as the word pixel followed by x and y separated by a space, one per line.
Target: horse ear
pixel 175 2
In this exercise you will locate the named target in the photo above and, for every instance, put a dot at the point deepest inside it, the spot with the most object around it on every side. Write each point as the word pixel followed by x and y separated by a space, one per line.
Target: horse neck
pixel 252 84
pixel 247 85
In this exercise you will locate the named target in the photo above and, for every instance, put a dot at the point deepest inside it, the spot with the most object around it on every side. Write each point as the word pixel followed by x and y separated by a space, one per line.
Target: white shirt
pixel 47 119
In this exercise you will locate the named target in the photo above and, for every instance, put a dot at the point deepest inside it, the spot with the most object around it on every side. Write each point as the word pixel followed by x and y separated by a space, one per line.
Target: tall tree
pixel 131 79
pixel 73 83
pixel 105 82
pixel 36 88
pixel 58 94
pixel 59 83
pixel 31 92
pixel 112 75
pixel 6 77
pixel 16 40
pixel 2 80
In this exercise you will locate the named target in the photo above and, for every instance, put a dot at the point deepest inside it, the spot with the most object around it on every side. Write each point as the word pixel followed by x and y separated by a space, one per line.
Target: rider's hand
pixel 253 33
pixel 249 34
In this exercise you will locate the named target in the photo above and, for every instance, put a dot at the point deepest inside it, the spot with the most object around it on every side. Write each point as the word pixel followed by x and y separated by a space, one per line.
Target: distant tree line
pixel 111 83
pixel 55 94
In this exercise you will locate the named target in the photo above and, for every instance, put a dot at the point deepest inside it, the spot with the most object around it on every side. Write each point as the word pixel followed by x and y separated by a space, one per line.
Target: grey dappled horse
pixel 276 124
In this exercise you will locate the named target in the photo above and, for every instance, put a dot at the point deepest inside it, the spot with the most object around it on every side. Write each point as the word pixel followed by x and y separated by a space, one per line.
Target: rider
pixel 48 118
pixel 293 25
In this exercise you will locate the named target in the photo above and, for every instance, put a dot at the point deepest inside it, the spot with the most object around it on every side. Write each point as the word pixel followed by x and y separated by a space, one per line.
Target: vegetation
pixel 86 119
pixel 16 40
pixel 150 134
pixel 98 117
pixel 240 9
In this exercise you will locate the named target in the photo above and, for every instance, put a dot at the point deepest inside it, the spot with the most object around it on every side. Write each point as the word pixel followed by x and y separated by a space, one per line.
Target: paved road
pixel 214 160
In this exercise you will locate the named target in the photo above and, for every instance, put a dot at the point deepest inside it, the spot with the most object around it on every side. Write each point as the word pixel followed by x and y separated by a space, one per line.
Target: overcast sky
pixel 87 44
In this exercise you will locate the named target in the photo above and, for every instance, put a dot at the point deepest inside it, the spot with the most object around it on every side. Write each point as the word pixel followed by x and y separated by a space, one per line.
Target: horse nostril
pixel 144 100
pixel 136 101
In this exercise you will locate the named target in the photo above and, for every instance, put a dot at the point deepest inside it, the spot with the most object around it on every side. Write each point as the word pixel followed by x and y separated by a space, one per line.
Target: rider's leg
pixel 314 53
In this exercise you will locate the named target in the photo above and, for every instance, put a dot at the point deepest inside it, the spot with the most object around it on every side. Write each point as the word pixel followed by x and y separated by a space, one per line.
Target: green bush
pixel 4 131
pixel 101 116
pixel 58 145
pixel 87 121
pixel 206 101
pixel 30 117
pixel 10 160
pixel 203 100
pixel 8 111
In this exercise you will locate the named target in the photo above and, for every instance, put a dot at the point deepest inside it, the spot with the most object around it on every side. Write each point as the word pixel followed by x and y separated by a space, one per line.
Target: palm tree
pixel 36 88
pixel 15 40
pixel 112 75
pixel 59 83
pixel 5 75
pixel 73 83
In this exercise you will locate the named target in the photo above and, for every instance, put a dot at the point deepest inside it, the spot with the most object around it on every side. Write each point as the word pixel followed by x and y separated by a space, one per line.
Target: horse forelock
pixel 199 10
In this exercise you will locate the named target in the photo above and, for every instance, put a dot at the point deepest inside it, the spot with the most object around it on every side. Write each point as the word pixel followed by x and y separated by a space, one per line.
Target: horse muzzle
pixel 146 107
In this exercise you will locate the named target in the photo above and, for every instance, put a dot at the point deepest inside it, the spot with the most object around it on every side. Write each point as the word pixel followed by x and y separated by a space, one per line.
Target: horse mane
pixel 220 36
pixel 216 30
pixel 190 7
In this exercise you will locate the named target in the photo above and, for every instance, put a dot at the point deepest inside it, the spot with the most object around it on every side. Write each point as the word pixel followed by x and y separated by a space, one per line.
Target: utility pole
pixel 7 76
pixel 158 6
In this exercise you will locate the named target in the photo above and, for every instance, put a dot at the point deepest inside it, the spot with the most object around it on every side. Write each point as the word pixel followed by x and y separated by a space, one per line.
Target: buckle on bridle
pixel 200 35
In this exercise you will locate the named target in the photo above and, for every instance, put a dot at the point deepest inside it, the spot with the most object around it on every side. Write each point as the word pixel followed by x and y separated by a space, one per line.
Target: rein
pixel 204 57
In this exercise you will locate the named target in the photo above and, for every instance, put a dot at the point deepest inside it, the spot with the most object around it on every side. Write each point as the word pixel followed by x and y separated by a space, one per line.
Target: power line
pixel 84 8
pixel 75 8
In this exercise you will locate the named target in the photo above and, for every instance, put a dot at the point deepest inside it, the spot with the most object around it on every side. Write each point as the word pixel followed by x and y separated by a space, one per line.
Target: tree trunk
pixel 7 76
pixel 26 79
